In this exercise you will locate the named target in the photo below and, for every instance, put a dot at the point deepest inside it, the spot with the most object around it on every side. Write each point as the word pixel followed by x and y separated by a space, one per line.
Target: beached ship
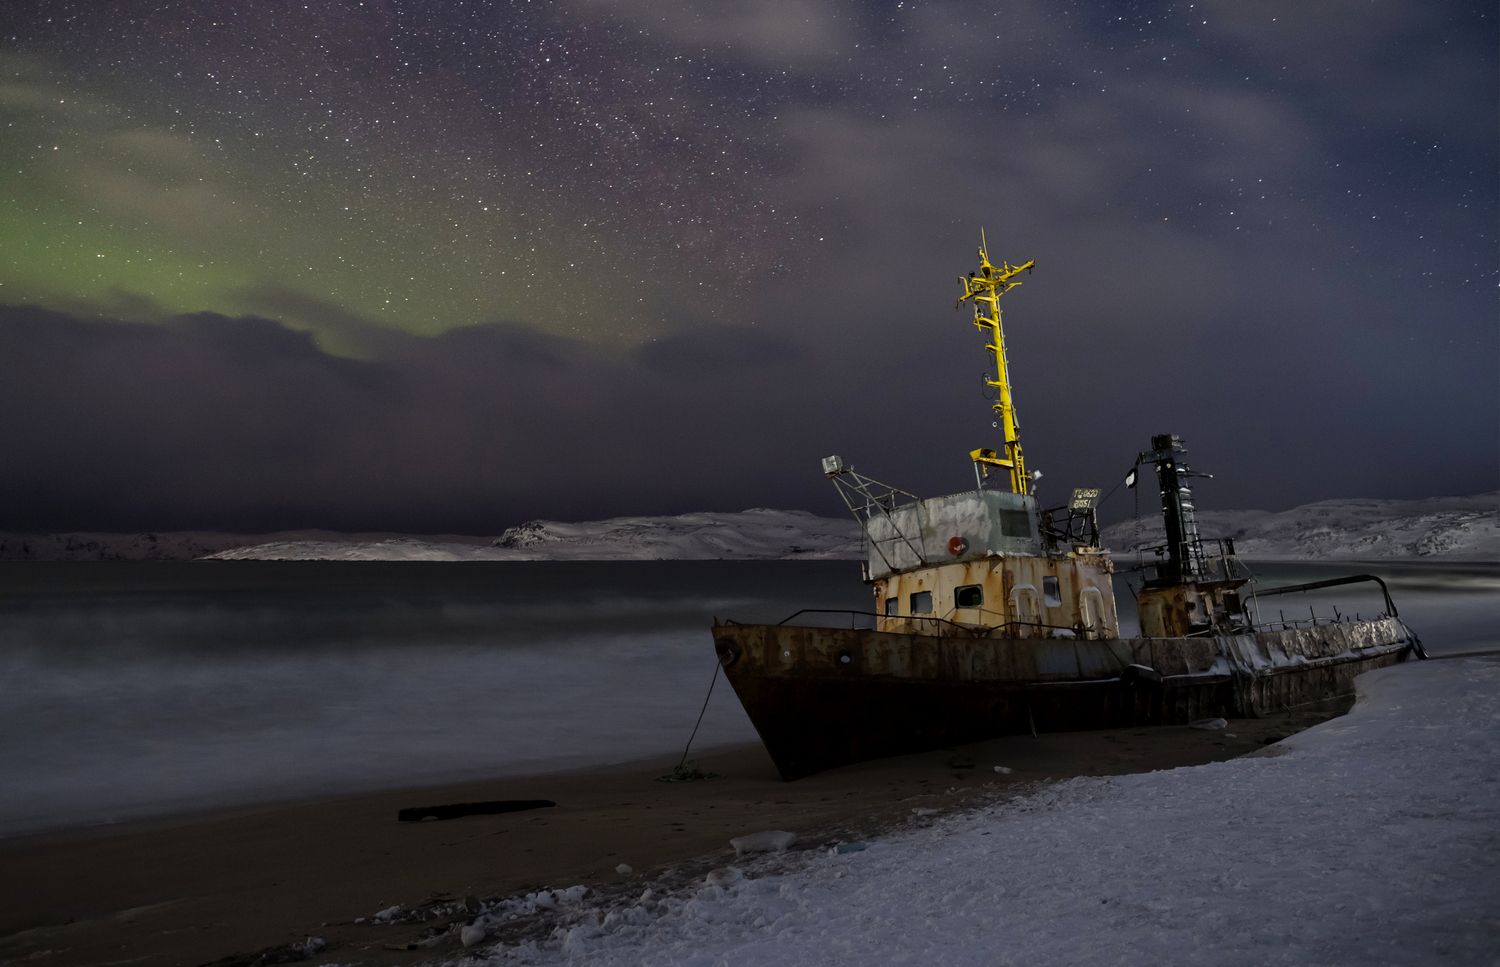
pixel 993 616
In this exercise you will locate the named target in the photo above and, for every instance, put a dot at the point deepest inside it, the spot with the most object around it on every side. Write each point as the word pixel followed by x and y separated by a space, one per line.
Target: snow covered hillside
pixel 757 534
pixel 1370 839
pixel 1437 528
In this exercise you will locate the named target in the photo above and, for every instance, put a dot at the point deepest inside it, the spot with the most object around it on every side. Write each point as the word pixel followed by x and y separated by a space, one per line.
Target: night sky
pixel 445 266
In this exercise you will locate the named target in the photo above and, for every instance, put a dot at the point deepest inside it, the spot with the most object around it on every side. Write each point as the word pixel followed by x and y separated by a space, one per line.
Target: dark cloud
pixel 709 352
pixel 212 421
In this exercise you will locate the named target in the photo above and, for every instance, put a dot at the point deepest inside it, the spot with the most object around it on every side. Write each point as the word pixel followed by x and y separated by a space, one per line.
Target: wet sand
pixel 228 885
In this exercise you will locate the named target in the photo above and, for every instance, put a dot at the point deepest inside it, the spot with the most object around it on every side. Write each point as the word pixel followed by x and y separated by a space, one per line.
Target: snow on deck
pixel 1370 839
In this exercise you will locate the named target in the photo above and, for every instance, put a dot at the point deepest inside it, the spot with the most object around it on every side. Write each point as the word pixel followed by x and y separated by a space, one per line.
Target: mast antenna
pixel 983 289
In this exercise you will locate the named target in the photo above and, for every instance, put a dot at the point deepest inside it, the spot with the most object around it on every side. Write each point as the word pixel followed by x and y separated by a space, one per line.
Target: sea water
pixel 139 689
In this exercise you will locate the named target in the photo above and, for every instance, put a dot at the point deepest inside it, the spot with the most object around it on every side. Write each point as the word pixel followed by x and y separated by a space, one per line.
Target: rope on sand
pixel 682 772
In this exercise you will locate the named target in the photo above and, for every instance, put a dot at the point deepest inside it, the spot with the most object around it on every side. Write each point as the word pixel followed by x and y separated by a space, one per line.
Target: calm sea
pixel 132 689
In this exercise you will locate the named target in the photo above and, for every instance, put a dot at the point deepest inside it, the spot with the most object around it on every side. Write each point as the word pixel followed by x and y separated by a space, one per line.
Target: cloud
pixel 1358 63
pixel 163 148
pixel 23 96
pixel 336 329
pixel 138 173
pixel 158 200
pixel 240 422
pixel 707 353
pixel 768 32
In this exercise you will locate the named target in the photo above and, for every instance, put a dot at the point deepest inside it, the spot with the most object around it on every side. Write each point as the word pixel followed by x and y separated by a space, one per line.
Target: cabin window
pixel 1050 592
pixel 1015 523
pixel 892 606
pixel 968 596
pixel 921 602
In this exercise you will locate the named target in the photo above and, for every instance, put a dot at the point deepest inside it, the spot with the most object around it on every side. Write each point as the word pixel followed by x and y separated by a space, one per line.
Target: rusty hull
pixel 824 697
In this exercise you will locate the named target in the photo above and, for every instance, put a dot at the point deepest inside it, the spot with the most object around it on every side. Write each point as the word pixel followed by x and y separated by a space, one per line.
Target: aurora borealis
pixel 421 168
pixel 448 265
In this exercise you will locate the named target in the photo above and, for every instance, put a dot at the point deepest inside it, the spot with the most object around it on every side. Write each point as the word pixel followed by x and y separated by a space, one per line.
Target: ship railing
pixel 1390 606
pixel 854 616
pixel 1283 623
pixel 1313 620
pixel 944 627
pixel 1012 628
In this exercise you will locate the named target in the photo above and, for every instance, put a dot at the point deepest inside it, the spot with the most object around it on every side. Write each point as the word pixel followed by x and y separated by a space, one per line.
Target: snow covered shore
pixel 1371 839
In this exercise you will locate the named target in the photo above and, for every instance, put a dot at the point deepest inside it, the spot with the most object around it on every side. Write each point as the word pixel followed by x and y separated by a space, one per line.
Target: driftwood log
pixel 455 810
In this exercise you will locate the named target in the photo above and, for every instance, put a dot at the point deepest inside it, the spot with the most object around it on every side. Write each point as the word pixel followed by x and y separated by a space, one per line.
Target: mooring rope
pixel 711 683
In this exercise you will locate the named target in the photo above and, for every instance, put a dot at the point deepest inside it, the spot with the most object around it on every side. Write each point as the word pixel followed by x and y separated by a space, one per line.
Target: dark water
pixel 128 689
pixel 134 689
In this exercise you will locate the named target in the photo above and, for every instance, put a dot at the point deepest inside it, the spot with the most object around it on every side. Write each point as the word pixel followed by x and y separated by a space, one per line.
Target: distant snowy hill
pixel 1438 528
pixel 757 534
pixel 1435 528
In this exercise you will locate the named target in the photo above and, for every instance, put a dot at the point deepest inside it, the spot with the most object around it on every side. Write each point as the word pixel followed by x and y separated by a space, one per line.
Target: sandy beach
pixel 225 887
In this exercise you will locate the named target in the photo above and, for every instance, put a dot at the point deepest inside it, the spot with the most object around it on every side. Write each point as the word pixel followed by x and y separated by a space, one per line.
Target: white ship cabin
pixel 978 559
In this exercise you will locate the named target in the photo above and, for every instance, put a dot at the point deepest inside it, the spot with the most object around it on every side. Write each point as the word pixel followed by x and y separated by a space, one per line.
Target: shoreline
pixel 228 884
pixel 153 817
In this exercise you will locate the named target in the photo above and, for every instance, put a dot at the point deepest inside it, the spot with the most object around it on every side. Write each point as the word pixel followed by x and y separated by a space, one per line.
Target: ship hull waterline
pixel 827 697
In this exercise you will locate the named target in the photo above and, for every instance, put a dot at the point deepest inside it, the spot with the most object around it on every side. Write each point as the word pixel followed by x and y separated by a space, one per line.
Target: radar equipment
pixel 983 289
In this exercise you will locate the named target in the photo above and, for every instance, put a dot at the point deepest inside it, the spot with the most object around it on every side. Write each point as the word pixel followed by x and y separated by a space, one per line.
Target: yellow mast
pixel 983 290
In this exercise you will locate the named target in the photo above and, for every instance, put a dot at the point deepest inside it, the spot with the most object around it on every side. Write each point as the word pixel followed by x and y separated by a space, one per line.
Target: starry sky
pixel 444 266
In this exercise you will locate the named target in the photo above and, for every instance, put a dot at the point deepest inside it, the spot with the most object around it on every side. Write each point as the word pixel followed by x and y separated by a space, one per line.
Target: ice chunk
pixel 624 869
pixel 1208 725
pixel 723 876
pixel 769 841
pixel 552 899
pixel 1004 770
pixel 388 914
pixel 924 811
pixel 472 934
